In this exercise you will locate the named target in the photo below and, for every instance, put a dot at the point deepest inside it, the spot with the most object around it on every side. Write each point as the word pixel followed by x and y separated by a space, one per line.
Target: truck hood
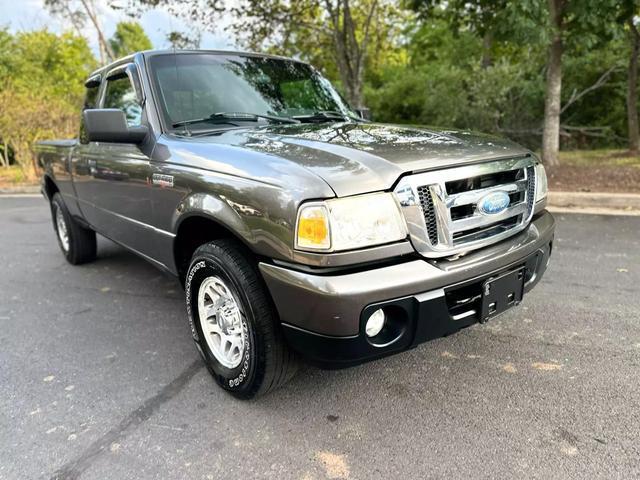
pixel 356 158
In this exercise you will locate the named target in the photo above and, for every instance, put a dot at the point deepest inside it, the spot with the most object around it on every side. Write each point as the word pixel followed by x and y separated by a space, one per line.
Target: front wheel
pixel 234 323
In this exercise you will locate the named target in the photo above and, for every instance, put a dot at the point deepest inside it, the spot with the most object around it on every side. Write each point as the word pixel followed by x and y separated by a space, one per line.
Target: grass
pixel 599 158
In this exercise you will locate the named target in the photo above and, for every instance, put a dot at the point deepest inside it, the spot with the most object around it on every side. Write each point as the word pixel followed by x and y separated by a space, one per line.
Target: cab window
pixel 91 97
pixel 121 94
pixel 90 101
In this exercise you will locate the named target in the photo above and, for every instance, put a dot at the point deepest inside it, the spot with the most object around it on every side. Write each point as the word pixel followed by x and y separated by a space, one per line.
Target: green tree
pixel 562 25
pixel 348 30
pixel 444 84
pixel 483 17
pixel 628 11
pixel 569 22
pixel 41 89
pixel 128 38
pixel 181 40
pixel 77 12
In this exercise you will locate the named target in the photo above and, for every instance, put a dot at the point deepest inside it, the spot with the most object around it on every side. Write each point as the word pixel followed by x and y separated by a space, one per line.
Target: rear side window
pixel 120 94
pixel 90 101
pixel 91 97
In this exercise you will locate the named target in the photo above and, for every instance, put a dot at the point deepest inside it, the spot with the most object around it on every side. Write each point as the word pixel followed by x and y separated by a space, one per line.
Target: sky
pixel 26 15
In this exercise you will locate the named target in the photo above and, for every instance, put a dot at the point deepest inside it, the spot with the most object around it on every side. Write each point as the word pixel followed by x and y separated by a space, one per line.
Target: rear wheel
pixel 233 322
pixel 78 244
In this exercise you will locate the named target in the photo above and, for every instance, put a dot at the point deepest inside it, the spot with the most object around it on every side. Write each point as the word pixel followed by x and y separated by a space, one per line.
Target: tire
pixel 78 244
pixel 221 276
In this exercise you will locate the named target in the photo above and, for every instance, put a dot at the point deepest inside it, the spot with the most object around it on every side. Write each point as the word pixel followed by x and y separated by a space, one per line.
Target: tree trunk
pixel 350 53
pixel 552 103
pixel 105 47
pixel 632 91
pixel 487 42
pixel 5 153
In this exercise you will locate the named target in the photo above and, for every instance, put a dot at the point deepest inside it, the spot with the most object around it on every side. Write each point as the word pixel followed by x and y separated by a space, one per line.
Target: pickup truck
pixel 297 227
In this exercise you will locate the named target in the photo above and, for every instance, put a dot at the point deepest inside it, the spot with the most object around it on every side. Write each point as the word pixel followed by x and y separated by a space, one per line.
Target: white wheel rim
pixel 221 322
pixel 61 228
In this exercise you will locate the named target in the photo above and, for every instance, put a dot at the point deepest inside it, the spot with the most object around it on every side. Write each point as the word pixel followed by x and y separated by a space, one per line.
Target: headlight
pixel 541 182
pixel 348 223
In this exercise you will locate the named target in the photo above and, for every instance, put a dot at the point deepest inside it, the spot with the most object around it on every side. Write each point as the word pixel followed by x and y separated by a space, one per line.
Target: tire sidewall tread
pixel 82 241
pixel 270 361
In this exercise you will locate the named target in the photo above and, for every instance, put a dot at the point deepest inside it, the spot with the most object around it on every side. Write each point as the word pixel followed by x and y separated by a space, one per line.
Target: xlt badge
pixel 162 180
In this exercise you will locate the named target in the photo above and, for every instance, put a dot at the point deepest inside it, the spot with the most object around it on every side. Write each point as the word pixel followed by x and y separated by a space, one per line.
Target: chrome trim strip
pixel 407 193
pixel 462 315
pixel 430 295
pixel 478 220
pixel 465 198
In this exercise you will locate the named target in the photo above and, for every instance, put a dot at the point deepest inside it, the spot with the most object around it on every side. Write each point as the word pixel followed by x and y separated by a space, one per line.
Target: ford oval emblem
pixel 493 203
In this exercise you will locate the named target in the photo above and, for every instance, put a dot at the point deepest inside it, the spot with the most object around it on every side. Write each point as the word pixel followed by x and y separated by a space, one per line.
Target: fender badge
pixel 162 180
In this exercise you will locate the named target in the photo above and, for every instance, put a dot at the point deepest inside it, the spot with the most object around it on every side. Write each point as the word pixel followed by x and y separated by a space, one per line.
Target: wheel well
pixel 50 187
pixel 193 232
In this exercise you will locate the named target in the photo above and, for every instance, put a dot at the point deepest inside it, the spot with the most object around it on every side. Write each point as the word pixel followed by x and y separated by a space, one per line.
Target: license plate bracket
pixel 501 293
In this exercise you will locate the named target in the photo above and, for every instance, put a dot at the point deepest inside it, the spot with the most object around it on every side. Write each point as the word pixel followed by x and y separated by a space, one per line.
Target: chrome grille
pixel 531 187
pixel 441 207
pixel 426 202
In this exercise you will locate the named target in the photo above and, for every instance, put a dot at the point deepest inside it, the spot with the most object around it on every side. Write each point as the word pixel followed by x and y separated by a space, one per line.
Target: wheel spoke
pixel 237 343
pixel 228 344
pixel 219 291
pixel 221 322
pixel 212 309
pixel 215 328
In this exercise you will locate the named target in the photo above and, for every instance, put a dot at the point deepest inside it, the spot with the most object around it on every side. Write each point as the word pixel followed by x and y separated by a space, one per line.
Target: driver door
pixel 119 189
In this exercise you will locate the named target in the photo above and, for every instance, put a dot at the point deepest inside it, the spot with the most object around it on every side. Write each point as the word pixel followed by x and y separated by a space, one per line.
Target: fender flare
pixel 213 208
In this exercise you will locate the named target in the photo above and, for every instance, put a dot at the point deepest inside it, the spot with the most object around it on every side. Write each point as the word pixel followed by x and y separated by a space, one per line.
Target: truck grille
pixel 426 202
pixel 442 207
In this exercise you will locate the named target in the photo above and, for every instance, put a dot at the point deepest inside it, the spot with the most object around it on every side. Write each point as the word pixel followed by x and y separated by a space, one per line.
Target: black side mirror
pixel 364 112
pixel 110 125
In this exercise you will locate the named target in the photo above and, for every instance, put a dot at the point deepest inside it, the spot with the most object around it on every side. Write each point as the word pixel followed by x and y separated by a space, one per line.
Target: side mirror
pixel 364 113
pixel 110 125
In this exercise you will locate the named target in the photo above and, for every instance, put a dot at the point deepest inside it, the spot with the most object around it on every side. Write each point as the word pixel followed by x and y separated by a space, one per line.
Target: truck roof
pixel 151 53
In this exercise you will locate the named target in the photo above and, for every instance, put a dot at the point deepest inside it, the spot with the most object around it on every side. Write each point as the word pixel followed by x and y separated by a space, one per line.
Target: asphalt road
pixel 99 378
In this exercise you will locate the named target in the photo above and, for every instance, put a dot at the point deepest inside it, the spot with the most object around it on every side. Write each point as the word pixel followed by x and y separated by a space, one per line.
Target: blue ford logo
pixel 494 202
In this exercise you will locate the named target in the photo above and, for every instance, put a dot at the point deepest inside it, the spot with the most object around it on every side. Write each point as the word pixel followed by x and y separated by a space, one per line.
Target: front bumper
pixel 323 315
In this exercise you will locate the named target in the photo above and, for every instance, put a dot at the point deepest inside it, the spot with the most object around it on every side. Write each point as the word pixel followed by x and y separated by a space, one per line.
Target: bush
pixel 41 90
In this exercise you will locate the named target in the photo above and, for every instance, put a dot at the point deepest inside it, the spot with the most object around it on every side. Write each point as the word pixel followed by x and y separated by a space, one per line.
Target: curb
pixel 628 202
pixel 25 190
pixel 586 202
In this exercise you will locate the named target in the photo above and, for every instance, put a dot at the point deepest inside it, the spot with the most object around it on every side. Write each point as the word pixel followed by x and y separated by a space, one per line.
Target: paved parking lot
pixel 100 380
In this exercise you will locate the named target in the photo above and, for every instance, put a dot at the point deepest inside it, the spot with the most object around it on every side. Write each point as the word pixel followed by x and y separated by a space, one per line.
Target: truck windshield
pixel 196 90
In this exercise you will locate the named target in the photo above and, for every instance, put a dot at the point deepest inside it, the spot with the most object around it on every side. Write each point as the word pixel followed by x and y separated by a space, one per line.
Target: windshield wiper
pixel 325 115
pixel 229 117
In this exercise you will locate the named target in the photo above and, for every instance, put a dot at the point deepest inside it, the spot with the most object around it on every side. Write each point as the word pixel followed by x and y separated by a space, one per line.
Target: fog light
pixel 375 323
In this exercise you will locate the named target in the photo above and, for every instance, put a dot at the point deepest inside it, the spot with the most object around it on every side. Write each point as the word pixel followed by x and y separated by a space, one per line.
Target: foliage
pixel 79 13
pixel 184 41
pixel 129 38
pixel 446 83
pixel 468 64
pixel 41 89
pixel 345 38
pixel 342 37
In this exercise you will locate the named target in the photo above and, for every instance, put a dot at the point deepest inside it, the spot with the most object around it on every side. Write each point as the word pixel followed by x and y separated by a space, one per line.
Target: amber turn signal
pixel 313 228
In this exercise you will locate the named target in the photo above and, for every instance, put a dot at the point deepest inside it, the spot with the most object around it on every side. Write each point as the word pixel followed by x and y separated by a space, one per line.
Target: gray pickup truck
pixel 297 227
